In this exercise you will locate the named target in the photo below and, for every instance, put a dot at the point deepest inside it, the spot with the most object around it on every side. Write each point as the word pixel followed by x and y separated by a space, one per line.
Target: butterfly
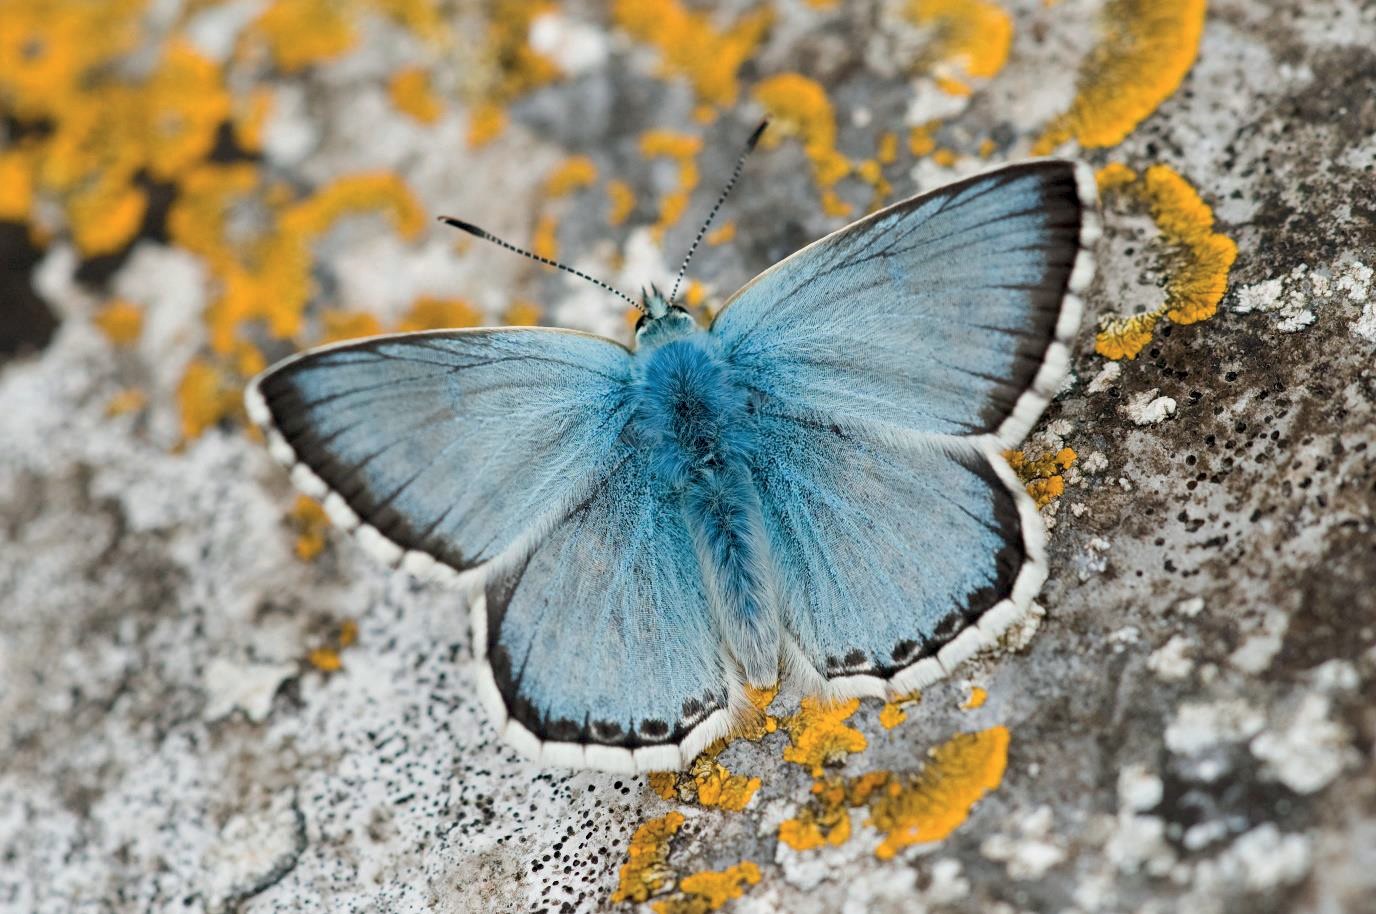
pixel 811 482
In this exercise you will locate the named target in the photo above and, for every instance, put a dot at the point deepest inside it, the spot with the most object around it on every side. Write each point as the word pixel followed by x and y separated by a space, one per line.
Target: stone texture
pixel 1192 721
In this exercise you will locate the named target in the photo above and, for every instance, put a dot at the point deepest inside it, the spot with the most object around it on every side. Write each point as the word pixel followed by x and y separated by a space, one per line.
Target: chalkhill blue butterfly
pixel 812 482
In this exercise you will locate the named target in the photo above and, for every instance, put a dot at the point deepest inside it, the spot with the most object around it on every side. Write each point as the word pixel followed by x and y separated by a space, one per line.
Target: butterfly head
pixel 660 319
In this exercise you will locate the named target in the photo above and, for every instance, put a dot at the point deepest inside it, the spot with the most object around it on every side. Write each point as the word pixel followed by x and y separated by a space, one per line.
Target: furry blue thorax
pixel 693 419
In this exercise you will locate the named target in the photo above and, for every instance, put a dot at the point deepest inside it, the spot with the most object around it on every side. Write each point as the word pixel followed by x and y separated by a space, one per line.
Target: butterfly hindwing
pixel 948 313
pixel 896 557
pixel 891 363
pixel 600 643
pixel 443 450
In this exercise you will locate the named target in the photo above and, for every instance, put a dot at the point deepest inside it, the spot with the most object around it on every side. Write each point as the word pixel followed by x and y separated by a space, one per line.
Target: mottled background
pixel 209 702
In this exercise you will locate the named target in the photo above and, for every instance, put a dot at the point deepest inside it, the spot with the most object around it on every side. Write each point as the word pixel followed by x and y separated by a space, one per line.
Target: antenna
pixel 735 175
pixel 479 233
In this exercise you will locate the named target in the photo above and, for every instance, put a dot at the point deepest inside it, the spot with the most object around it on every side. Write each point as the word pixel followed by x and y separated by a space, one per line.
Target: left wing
pixel 442 451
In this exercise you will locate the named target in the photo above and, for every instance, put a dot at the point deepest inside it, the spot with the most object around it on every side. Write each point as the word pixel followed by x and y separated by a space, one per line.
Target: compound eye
pixel 640 322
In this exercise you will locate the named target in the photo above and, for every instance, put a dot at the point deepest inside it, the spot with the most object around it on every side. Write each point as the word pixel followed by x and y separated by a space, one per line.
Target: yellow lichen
pixel 922 139
pixel 485 123
pixel 908 808
pixel 1147 48
pixel 819 735
pixel 207 395
pixel 544 241
pixel 799 107
pixel 250 117
pixel 646 871
pixel 622 201
pixel 690 45
pixel 722 234
pixel 121 321
pixel 682 148
pixel 129 400
pixel 429 313
pixel 894 712
pixel 338 326
pixel 1197 258
pixel 521 314
pixel 572 174
pixel 972 38
pixel 328 658
pixel 978 697
pixel 299 33
pixel 412 94
pixel 1042 475
pixel 928 806
pixel 310 522
pixel 706 891
pixel 707 781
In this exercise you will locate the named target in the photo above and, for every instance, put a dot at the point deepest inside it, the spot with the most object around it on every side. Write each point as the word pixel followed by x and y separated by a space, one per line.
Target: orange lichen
pixel 799 107
pixel 922 139
pixel 972 38
pixel 521 314
pixel 328 658
pixel 622 201
pixel 706 891
pixel 129 400
pixel 707 781
pixel 505 66
pixel 299 33
pixel 646 871
pixel 310 522
pixel 412 94
pixel 338 326
pixel 121 321
pixel 908 808
pixel 325 659
pixel 894 712
pixel 573 174
pixel 944 157
pixel 485 123
pixel 928 806
pixel 722 234
pixel 690 45
pixel 429 313
pixel 250 117
pixel 978 697
pixel 354 195
pixel 16 185
pixel 207 394
pixel 819 735
pixel 826 817
pixel 682 148
pixel 1042 475
pixel 544 241
pixel 1197 258
pixel 1148 47
pixel 48 50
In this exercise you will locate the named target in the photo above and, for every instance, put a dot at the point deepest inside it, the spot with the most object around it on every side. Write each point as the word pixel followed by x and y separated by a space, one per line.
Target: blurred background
pixel 210 701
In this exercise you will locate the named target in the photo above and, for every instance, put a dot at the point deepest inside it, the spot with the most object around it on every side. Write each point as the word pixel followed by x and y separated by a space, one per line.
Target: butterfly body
pixel 814 482
pixel 694 419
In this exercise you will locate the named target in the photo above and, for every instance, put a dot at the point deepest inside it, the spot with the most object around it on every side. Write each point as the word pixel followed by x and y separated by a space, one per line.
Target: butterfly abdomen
pixel 694 419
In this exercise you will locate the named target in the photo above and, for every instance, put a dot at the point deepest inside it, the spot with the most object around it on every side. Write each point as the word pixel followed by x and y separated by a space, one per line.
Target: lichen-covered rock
pixel 210 702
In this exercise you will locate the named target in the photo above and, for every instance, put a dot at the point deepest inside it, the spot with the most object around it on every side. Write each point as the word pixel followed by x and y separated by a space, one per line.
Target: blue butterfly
pixel 812 482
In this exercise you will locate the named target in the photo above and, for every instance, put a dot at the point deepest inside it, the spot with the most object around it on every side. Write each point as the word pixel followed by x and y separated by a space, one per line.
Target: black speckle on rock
pixel 27 323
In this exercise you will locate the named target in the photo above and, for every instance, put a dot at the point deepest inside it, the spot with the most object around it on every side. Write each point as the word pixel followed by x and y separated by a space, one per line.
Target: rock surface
pixel 208 703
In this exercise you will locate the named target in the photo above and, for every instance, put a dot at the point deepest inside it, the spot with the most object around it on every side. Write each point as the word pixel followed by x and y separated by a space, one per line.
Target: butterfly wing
pixel 600 643
pixel 501 457
pixel 442 451
pixel 892 362
pixel 948 313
